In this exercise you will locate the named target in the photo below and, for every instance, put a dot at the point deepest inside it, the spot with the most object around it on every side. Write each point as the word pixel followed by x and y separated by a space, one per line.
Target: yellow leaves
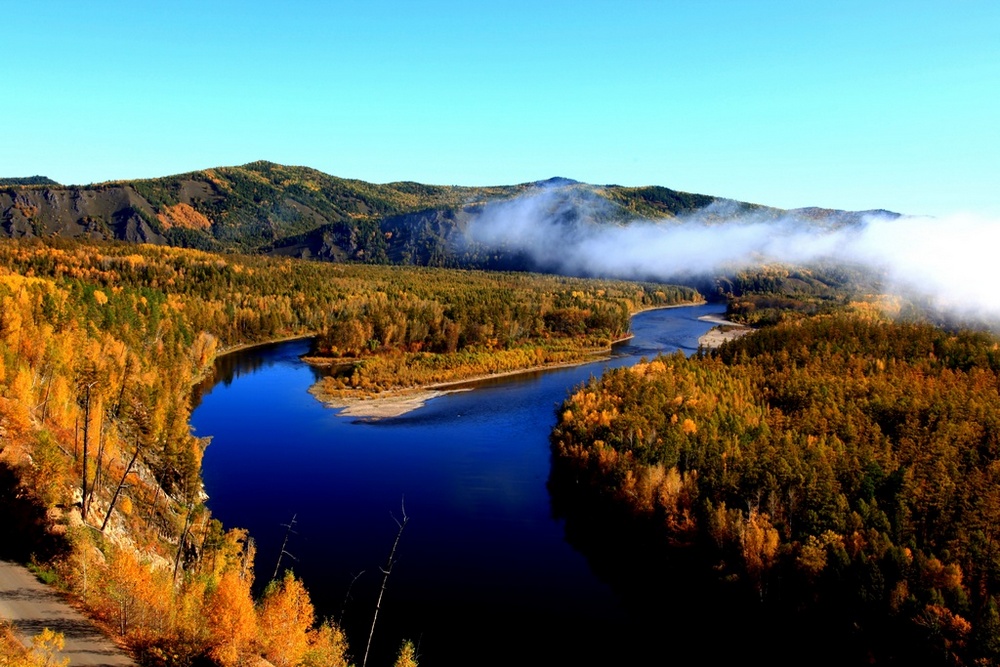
pixel 688 427
pixel 655 367
pixel 221 183
pixel 407 655
pixel 134 595
pixel 100 297
pixel 234 549
pixel 230 619
pixel 16 406
pixel 659 488
pixel 11 321
pixel 27 210
pixel 947 627
pixel 591 409
pixel 188 611
pixel 327 647
pixel 759 542
pixel 813 554
pixel 184 217
pixel 203 350
pixel 46 646
pixel 134 261
pixel 175 302
pixel 285 617
pixel 602 418
pixel 607 457
pixel 943 576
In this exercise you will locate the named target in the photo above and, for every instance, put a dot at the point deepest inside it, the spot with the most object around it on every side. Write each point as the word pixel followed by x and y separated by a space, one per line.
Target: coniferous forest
pixel 841 466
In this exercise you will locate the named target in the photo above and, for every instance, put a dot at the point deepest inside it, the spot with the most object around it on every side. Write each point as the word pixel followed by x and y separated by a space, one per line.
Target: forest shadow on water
pixel 231 366
pixel 681 610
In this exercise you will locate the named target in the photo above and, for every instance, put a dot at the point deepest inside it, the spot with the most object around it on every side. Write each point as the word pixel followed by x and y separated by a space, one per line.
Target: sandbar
pixel 725 331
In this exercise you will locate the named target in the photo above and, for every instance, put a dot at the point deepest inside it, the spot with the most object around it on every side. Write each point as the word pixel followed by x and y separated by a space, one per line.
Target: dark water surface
pixel 483 573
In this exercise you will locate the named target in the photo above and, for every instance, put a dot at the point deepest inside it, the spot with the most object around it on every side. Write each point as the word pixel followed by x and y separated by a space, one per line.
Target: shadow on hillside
pixel 23 534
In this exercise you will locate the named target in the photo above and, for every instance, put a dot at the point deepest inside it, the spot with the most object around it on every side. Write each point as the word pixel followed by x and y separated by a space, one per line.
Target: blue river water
pixel 483 573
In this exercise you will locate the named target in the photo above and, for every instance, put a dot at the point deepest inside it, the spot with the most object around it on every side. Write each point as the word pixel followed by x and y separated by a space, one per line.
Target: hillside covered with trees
pixel 840 468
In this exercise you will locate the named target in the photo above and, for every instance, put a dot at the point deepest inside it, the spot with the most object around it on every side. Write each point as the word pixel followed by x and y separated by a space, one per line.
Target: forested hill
pixel 269 208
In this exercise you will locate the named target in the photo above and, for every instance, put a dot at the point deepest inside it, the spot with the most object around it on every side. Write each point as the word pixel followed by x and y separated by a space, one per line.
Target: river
pixel 483 574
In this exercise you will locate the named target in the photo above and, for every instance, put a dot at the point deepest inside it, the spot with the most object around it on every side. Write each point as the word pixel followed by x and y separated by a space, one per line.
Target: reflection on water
pixel 484 574
pixel 230 367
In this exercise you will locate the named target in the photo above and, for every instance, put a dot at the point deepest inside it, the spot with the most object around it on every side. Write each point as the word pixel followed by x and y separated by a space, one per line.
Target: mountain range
pixel 268 208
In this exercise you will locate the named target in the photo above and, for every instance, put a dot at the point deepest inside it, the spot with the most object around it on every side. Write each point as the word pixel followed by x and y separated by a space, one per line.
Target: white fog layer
pixel 948 260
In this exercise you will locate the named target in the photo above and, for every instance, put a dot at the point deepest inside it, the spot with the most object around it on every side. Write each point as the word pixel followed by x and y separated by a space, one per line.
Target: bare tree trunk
pixel 180 542
pixel 385 579
pixel 86 435
pixel 45 398
pixel 159 486
pixel 121 394
pixel 114 498
pixel 347 596
pixel 284 543
pixel 100 463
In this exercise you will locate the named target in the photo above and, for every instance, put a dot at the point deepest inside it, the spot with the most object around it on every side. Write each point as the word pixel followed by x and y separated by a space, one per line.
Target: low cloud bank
pixel 948 261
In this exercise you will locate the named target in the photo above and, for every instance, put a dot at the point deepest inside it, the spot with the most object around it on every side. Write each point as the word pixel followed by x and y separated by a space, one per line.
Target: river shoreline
pixel 724 332
pixel 398 402
pixel 395 403
pixel 273 341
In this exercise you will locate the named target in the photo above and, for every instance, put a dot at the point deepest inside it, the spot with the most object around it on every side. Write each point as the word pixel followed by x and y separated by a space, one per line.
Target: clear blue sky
pixel 839 104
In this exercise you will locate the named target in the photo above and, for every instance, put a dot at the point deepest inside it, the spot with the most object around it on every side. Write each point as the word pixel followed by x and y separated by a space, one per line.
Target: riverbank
pixel 724 332
pixel 272 341
pixel 398 402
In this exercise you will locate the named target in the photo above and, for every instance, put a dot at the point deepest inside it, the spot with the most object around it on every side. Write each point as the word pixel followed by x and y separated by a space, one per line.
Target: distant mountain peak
pixel 556 181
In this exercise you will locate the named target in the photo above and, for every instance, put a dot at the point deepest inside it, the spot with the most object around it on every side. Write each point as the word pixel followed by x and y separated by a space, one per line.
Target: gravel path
pixel 32 606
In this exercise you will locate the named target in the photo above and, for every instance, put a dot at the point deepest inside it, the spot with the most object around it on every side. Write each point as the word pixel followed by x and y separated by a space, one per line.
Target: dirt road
pixel 31 607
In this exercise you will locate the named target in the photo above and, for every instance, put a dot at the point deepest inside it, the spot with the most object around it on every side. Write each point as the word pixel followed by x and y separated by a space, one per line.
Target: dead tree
pixel 86 437
pixel 347 596
pixel 182 539
pixel 121 484
pixel 385 577
pixel 98 471
pixel 284 544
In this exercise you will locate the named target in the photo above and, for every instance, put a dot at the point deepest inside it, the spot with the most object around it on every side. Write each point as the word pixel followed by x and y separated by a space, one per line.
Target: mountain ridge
pixel 267 208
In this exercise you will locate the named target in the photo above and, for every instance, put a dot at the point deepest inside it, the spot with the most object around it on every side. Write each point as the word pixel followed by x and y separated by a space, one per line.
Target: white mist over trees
pixel 947 260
